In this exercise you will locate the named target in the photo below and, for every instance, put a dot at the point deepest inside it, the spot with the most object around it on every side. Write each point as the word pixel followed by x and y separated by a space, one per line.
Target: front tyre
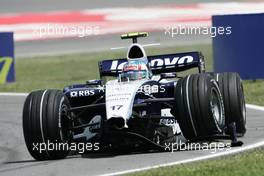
pixel 45 124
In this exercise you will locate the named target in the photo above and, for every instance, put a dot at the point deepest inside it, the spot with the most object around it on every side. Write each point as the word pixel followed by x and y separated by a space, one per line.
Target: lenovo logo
pixel 158 62
pixel 168 62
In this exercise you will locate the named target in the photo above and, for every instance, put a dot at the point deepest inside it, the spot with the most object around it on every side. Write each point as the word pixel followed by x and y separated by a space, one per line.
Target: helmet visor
pixel 133 75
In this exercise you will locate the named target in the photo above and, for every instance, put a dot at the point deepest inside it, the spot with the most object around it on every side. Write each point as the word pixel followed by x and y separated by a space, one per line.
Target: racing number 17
pixel 116 107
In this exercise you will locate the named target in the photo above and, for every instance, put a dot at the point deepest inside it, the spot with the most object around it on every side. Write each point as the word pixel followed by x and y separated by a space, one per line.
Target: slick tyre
pixel 45 124
pixel 199 107
pixel 231 88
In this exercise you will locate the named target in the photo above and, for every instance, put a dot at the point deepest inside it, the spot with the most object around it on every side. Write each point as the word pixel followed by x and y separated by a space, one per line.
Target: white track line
pixel 255 107
pixel 12 94
pixel 233 151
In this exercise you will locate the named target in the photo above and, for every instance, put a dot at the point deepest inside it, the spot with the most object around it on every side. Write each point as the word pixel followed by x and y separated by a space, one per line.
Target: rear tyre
pixel 199 107
pixel 231 88
pixel 45 124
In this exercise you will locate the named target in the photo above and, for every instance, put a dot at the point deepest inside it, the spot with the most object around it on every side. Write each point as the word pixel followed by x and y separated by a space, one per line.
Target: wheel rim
pixel 216 107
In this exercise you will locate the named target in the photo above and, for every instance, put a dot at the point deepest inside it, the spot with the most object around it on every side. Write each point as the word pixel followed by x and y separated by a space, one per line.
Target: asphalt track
pixel 100 43
pixel 15 160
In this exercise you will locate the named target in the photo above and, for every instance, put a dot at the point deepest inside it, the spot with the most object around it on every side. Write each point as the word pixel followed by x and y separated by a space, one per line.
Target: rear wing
pixel 158 63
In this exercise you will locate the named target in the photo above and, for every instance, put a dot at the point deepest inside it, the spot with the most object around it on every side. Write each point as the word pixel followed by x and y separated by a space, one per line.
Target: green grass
pixel 254 92
pixel 246 164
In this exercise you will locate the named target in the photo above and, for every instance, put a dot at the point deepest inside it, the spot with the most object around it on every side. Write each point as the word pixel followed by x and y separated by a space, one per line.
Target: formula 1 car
pixel 146 104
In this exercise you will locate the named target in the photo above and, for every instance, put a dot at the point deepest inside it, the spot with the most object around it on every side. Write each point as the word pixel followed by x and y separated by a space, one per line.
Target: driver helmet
pixel 137 66
pixel 135 70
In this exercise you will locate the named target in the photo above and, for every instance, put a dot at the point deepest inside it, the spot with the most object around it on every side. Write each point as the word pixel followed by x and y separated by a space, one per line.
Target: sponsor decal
pixel 131 67
pixel 170 62
pixel 158 62
pixel 168 121
pixel 82 93
pixel 120 97
pixel 151 89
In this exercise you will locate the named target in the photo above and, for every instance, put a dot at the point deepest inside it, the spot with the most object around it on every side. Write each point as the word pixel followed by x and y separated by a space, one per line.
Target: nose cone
pixel 135 51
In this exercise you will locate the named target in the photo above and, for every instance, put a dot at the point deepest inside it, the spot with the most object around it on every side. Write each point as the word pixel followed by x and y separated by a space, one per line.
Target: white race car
pixel 145 105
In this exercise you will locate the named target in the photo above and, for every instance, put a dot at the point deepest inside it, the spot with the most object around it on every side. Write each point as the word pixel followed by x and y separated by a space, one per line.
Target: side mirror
pixel 168 75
